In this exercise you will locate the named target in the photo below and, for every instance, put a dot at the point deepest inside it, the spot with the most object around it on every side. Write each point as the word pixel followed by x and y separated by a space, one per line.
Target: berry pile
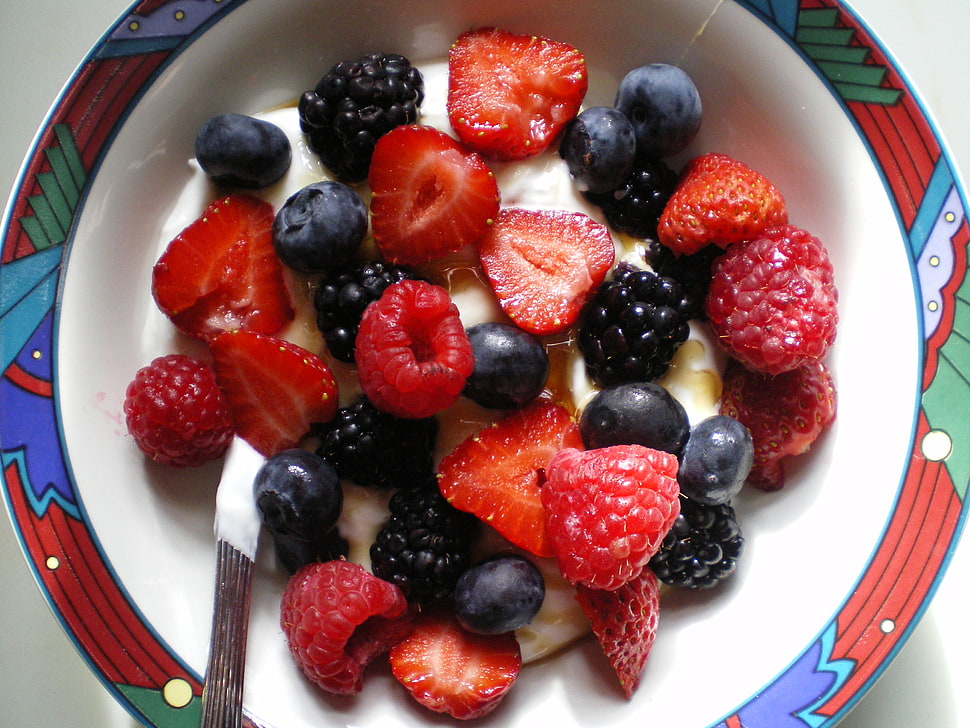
pixel 618 492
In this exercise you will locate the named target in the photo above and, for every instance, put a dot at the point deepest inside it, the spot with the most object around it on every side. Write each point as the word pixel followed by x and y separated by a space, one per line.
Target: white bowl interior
pixel 806 545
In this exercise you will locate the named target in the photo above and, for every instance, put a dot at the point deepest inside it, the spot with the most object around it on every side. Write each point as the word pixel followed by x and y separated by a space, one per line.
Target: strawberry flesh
pixel 497 474
pixel 624 622
pixel 275 389
pixel 544 264
pixel 221 273
pixel 450 670
pixel 430 195
pixel 509 95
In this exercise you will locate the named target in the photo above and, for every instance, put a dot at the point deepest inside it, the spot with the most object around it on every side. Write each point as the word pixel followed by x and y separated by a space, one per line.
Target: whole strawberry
pixel 337 617
pixel 624 622
pixel 176 413
pixel 719 201
pixel 772 301
pixel 785 414
pixel 607 511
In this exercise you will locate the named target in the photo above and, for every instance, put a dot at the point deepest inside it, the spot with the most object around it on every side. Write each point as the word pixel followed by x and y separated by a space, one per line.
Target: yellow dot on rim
pixel 949 217
pixel 37 354
pixel 134 25
pixel 934 260
pixel 177 692
pixel 936 446
pixel 52 563
pixel 933 306
pixel 180 15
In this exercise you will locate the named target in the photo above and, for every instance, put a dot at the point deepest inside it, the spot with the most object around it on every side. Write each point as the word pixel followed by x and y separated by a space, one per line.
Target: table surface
pixel 47 683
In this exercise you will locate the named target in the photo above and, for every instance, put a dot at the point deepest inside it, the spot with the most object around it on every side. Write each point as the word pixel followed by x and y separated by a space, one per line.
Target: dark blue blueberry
pixel 716 460
pixel 499 595
pixel 298 495
pixel 242 151
pixel 511 366
pixel 664 106
pixel 635 413
pixel 320 227
pixel 599 146
pixel 294 552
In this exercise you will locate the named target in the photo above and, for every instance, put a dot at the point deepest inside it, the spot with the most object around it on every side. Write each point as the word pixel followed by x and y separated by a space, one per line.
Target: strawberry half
pixel 221 273
pixel 719 201
pixel 430 195
pixel 625 623
pixel 509 95
pixel 497 474
pixel 544 264
pixel 450 670
pixel 275 389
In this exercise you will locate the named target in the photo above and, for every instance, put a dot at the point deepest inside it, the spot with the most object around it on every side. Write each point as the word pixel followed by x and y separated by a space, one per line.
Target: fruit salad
pixel 554 358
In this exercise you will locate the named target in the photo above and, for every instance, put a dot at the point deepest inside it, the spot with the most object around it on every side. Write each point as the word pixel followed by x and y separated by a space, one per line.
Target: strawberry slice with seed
pixel 430 195
pixel 509 95
pixel 624 622
pixel 497 473
pixel 544 264
pixel 275 389
pixel 450 670
pixel 221 273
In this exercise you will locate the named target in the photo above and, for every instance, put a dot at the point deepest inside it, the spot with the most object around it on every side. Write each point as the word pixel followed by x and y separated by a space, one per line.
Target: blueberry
pixel 298 495
pixel 664 106
pixel 716 460
pixel 499 595
pixel 294 552
pixel 598 146
pixel 511 366
pixel 640 413
pixel 319 227
pixel 242 151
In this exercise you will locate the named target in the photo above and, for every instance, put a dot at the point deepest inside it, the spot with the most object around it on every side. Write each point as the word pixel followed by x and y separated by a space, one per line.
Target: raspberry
pixel 337 617
pixel 607 511
pixel 784 413
pixel 413 355
pixel 176 413
pixel 772 301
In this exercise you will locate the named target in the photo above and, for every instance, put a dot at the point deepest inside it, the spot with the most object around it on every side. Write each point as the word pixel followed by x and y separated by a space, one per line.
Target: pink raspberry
pixel 785 414
pixel 772 300
pixel 607 511
pixel 337 617
pixel 412 353
pixel 176 413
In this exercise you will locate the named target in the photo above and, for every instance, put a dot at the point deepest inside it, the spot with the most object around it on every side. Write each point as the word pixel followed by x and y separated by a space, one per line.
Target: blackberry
pixel 376 449
pixel 425 546
pixel 693 272
pixel 632 326
pixel 702 547
pixel 354 104
pixel 343 294
pixel 635 206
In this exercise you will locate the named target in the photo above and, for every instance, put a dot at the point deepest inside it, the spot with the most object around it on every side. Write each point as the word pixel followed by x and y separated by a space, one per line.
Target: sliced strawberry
pixel 624 621
pixel 497 474
pixel 544 264
pixel 221 272
pixel 276 389
pixel 450 670
pixel 431 196
pixel 510 95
